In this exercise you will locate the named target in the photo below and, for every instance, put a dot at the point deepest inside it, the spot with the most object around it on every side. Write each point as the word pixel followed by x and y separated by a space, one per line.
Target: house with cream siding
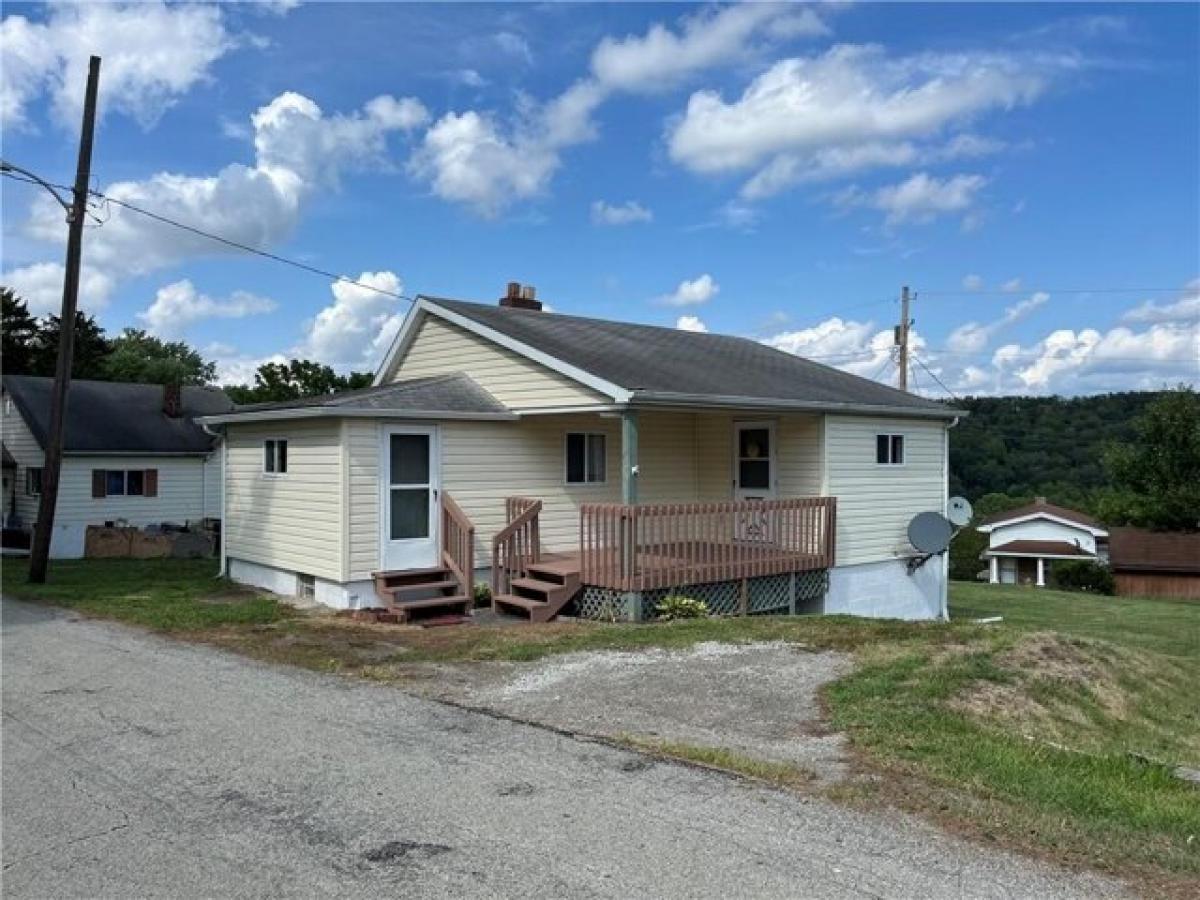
pixel 587 466
pixel 133 455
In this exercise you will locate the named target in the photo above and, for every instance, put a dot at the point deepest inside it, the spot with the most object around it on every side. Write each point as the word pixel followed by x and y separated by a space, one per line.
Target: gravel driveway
pixel 137 766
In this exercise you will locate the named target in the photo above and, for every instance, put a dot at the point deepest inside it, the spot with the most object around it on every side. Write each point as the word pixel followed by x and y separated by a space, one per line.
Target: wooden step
pixel 561 569
pixel 526 603
pixel 408 576
pixel 431 602
pixel 422 586
pixel 534 584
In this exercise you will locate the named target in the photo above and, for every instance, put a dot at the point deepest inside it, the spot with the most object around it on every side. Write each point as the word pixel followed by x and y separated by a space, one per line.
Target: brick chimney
pixel 520 296
pixel 172 403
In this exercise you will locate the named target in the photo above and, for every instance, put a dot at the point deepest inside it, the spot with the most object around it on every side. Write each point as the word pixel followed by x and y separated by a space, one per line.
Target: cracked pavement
pixel 138 766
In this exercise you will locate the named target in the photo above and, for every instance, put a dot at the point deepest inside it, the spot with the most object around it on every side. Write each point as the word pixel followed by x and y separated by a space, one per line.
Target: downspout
pixel 223 437
pixel 945 505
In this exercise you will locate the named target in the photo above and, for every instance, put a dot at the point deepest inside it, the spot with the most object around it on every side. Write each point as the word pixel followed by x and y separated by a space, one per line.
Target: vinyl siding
pixel 292 521
pixel 683 458
pixel 214 476
pixel 27 452
pixel 876 503
pixel 1042 530
pixel 441 347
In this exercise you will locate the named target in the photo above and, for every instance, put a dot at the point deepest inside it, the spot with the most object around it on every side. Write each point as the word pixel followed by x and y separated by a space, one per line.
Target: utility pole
pixel 902 337
pixel 40 552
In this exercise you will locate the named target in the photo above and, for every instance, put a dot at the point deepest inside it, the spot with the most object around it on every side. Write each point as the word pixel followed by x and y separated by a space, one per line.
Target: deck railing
pixel 458 545
pixel 517 544
pixel 636 548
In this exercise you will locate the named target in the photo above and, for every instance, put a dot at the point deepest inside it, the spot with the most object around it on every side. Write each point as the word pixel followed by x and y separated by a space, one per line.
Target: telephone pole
pixel 902 337
pixel 40 551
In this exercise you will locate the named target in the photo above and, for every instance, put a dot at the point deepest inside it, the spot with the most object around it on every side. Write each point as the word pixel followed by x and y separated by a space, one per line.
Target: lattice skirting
pixel 767 594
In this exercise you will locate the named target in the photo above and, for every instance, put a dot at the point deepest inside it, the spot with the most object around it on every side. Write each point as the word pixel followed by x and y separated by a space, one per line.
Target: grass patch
pixel 163 594
pixel 777 773
pixel 1161 624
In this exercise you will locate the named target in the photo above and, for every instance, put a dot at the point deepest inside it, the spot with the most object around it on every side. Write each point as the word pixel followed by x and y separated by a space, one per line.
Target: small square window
pixel 114 483
pixel 586 458
pixel 889 449
pixel 275 457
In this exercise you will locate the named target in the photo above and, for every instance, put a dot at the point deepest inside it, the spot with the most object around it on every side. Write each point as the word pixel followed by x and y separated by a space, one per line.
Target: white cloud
pixel 860 348
pixel 152 54
pixel 921 198
pixel 298 149
pixel 179 305
pixel 661 57
pixel 514 45
pixel 691 323
pixel 356 329
pixel 972 283
pixel 695 292
pixel 604 213
pixel 238 368
pixel 973 336
pixel 487 162
pixel 1185 309
pixel 40 285
pixel 1011 286
pixel 849 108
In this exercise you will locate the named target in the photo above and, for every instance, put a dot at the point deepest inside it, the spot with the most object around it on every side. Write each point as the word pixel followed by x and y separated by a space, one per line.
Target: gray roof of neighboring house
pixel 1041 507
pixel 657 363
pixel 439 395
pixel 118 417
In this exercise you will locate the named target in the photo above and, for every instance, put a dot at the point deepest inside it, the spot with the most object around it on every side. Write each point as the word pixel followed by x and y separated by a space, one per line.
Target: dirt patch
pixel 233 596
pixel 758 700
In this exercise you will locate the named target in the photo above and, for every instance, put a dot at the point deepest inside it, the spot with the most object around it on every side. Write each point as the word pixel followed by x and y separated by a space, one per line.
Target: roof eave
pixel 337 412
pixel 665 398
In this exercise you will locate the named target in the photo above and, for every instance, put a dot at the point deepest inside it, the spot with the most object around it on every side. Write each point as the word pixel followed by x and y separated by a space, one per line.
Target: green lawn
pixel 1159 624
pixel 1054 731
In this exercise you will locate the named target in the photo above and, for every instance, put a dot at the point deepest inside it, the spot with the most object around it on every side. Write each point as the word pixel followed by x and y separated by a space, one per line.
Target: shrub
pixel 1082 575
pixel 482 594
pixel 678 607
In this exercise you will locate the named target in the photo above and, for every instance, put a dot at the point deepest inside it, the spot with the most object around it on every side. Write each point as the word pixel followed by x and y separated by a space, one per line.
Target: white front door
pixel 753 476
pixel 410 465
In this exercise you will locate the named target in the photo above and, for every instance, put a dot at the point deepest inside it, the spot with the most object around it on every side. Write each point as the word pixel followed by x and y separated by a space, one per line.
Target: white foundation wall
pixel 285 583
pixel 886 590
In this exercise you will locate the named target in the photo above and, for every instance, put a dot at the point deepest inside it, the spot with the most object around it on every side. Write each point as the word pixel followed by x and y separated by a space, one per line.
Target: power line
pixel 920 362
pixel 229 242
pixel 1040 290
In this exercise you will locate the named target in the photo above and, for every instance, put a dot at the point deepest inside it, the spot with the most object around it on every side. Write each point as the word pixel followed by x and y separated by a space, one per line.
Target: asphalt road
pixel 134 766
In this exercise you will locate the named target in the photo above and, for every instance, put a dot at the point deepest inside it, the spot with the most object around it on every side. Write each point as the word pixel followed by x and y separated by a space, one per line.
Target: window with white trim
pixel 586 457
pixel 889 449
pixel 275 457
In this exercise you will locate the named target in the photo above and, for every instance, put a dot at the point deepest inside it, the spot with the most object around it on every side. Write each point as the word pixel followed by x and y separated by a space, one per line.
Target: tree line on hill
pixel 30 347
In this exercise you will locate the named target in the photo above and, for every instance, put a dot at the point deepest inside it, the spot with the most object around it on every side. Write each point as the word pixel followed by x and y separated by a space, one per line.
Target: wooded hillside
pixel 1040 446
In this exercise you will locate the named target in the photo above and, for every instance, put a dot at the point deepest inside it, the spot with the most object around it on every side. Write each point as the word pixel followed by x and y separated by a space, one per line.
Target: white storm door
pixel 410 466
pixel 753 476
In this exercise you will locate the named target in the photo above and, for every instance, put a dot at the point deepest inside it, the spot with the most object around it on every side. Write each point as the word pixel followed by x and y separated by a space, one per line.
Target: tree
pixel 20 333
pixel 141 357
pixel 1156 478
pixel 298 378
pixel 91 348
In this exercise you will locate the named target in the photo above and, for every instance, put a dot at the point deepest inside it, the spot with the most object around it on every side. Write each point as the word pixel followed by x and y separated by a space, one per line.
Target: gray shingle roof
pixel 117 417
pixel 651 360
pixel 439 394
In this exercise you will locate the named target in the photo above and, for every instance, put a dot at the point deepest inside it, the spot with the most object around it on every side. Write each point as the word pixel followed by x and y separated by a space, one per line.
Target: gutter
pixel 665 398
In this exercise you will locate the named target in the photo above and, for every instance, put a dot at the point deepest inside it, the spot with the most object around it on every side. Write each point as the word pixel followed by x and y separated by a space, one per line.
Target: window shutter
pixel 99 483
pixel 150 486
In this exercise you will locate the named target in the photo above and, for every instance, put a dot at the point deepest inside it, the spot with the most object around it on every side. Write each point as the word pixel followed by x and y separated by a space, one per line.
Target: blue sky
pixel 772 171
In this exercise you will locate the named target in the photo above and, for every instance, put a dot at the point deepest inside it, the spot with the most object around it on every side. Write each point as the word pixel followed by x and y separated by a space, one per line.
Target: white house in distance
pixel 1024 543
pixel 592 465
pixel 133 454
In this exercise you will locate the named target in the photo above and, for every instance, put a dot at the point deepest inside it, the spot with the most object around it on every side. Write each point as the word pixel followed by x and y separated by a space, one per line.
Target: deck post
pixel 629 457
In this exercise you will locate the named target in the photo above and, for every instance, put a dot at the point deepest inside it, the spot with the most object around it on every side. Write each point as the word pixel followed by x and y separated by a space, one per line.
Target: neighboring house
pixel 580 458
pixel 133 453
pixel 8 504
pixel 1155 563
pixel 1024 543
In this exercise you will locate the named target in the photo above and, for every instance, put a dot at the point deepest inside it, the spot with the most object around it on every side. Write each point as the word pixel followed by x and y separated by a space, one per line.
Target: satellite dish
pixel 930 532
pixel 959 511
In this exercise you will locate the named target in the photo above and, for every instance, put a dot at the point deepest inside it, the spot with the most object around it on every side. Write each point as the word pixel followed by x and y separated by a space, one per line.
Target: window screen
pixel 586 458
pixel 889 449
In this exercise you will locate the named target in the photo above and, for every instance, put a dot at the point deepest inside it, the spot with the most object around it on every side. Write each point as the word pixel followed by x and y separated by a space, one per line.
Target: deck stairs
pixel 547 587
pixel 416 594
